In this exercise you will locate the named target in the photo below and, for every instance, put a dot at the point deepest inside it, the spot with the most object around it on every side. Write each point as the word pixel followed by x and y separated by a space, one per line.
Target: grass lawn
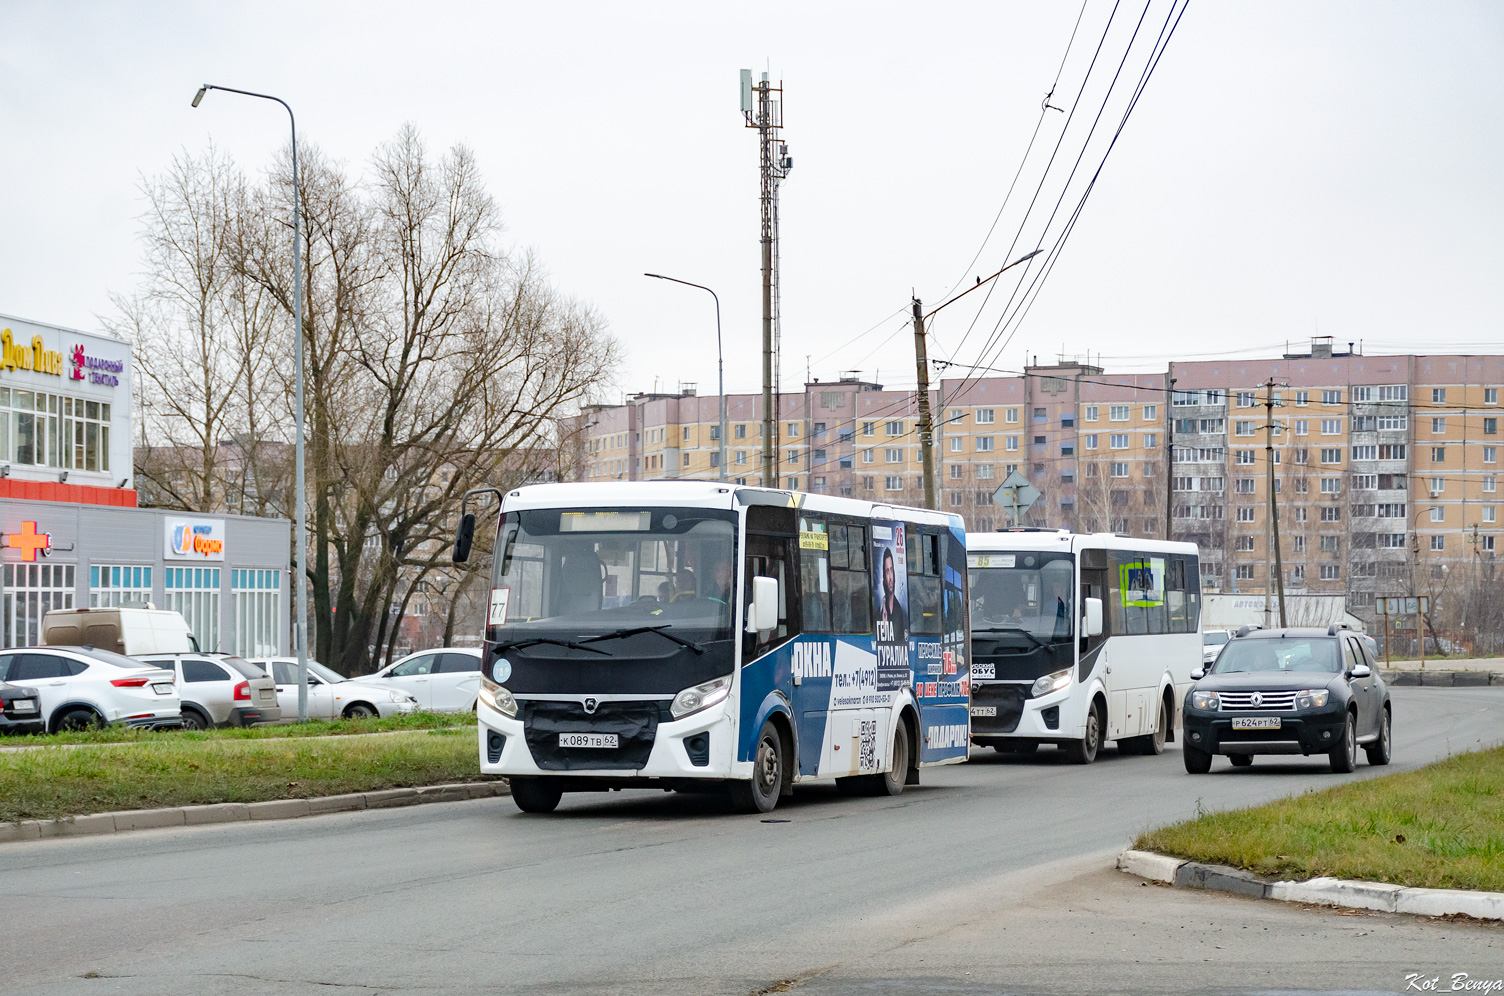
pixel 168 770
pixel 1441 826
pixel 313 728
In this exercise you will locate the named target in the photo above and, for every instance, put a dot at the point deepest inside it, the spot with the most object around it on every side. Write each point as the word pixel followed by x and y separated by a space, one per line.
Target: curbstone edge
pixel 279 809
pixel 386 798
pixel 216 812
pixel 1220 878
pixel 1147 864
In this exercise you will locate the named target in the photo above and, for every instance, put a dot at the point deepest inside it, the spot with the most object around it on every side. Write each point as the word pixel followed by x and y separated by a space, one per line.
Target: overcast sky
pixel 1291 168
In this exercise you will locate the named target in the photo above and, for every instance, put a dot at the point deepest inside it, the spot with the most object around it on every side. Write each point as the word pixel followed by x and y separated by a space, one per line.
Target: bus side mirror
pixel 762 614
pixel 464 537
pixel 1092 622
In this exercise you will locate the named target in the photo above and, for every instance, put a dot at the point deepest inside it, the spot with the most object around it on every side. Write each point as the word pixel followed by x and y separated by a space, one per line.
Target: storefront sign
pixel 30 542
pixel 37 357
pixel 96 369
pixel 195 539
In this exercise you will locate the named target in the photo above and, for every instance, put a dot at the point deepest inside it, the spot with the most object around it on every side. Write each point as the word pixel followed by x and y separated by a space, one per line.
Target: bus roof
pixel 711 494
pixel 1064 539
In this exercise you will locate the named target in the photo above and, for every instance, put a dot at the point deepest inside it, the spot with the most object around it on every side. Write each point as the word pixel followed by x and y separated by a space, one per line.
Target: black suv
pixel 1288 691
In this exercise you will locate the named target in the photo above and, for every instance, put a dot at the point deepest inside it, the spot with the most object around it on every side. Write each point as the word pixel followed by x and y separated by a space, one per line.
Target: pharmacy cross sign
pixel 30 542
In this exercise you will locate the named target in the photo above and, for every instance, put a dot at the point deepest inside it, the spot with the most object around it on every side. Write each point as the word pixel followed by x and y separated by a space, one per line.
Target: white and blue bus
pixel 1080 639
pixel 688 634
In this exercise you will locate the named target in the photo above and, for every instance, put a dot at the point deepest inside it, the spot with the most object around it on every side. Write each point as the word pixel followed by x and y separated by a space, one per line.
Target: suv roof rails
pixel 1337 627
pixel 1245 630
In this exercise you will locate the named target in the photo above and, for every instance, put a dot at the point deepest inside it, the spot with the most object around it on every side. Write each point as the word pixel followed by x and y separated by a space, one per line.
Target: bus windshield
pixel 1031 592
pixel 567 573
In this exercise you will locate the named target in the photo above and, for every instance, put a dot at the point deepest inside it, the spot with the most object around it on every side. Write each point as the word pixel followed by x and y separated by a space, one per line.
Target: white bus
pixel 691 635
pixel 1080 639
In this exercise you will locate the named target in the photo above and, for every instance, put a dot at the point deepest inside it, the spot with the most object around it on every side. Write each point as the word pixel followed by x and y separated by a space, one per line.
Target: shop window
pixel 115 584
pixel 257 594
pixel 31 591
pixel 194 591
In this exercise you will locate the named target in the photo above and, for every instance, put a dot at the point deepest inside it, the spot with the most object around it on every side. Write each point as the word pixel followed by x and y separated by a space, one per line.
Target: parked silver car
pixel 221 690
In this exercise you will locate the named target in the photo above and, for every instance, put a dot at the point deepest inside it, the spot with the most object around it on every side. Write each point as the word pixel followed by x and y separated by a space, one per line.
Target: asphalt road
pixel 991 877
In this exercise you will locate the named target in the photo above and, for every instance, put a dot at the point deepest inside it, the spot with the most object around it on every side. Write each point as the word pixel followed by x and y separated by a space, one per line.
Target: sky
pixel 1291 168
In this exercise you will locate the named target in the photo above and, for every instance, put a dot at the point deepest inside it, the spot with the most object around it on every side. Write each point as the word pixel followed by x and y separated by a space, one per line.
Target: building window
pixel 983 471
pixel 955 498
pixel 1366 451
pixel 1331 397
pixel 1331 427
pixel 1151 440
pixel 1487 543
pixel 1243 428
pixel 1490 426
pixel 1438 454
pixel 1387 422
pixel 1245 399
pixel 1090 414
pixel 1490 485
pixel 1490 454
pixel 792 483
pixel 986 416
pixel 895 428
pixel 869 456
pixel 685 457
pixel 1117 413
pixel 1243 572
pixel 1490 395
pixel 792 430
pixel 792 456
pixel 1488 514
pixel 113 585
pixel 1330 572
pixel 1067 450
pixel 984 444
pixel 1089 441
pixel 955 472
pixel 869 428
pixel 741 458
pixel 1242 486
pixel 1391 451
pixel 194 591
pixel 1300 544
pixel 867 483
pixel 1438 513
pixel 1330 544
pixel 955 444
pixel 1244 457
pixel 1302 427
pixel 1332 454
pixel 1331 513
pixel 1300 515
pixel 1299 454
pixel 1302 398
pixel 1331 485
pixel 257 622
pixel 1118 441
pixel 1438 426
pixel 1245 513
pixel 1120 470
pixel 31 591
pixel 1151 412
pixel 1364 482
pixel 1010 414
pixel 715 459
pixel 893 456
pixel 1011 443
pixel 1438 395
pixel 893 483
pixel 1438 542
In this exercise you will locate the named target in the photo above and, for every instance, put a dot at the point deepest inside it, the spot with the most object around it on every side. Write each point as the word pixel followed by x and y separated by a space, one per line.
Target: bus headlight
pixel 497 698
pixel 700 697
pixel 1051 683
pixel 1205 700
pixel 1312 698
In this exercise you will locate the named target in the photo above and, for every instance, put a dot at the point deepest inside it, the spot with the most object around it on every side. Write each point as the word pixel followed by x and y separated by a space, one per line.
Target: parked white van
pixel 127 631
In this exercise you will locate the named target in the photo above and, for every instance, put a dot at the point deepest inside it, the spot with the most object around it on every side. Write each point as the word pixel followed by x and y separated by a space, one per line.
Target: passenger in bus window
pixel 1060 592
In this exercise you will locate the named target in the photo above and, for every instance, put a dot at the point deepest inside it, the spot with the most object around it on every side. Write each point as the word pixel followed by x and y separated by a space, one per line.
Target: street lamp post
pixel 300 624
pixel 720 370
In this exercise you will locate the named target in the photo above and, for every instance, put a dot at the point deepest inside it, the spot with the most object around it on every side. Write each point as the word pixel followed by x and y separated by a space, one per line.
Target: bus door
pixel 769 553
pixel 1093 585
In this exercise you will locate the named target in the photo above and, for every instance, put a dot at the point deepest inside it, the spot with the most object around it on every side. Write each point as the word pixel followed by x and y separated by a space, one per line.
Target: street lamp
pixel 300 624
pixel 720 365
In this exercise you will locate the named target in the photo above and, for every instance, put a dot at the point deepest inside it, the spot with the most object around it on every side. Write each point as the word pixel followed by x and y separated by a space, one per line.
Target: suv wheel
pixel 1197 761
pixel 1378 751
pixel 1344 756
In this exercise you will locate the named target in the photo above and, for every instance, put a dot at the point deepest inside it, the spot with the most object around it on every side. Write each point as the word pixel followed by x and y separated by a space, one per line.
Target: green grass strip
pixel 313 728
pixel 72 781
pixel 1441 826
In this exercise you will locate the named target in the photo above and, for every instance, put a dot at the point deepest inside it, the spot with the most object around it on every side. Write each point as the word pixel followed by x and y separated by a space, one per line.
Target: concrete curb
pixel 1442 679
pixel 241 812
pixel 1322 891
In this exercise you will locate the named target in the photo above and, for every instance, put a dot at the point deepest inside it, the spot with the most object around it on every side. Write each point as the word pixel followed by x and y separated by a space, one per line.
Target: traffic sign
pixel 1017 494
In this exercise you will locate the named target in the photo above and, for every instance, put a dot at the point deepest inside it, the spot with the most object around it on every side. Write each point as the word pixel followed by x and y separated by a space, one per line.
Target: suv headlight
pixel 1205 700
pixel 700 697
pixel 1312 698
pixel 1050 683
pixel 497 698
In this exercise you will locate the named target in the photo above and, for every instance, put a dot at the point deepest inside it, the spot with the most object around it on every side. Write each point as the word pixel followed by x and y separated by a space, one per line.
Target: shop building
pixel 71 534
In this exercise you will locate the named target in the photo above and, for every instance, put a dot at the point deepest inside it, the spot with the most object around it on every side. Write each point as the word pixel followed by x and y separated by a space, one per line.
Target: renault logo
pixel 1257 700
pixel 590 706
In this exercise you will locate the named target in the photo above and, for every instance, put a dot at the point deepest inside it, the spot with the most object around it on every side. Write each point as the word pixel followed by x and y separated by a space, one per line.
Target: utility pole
pixel 1279 567
pixel 1169 461
pixel 763 112
pixel 926 421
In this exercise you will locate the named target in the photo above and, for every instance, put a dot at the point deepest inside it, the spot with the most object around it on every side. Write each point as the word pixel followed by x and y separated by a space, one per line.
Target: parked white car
pixel 330 694
pixel 221 690
pixel 1212 642
pixel 442 680
pixel 79 687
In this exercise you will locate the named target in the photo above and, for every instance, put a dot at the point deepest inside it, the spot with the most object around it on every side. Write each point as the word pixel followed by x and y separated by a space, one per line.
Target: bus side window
pixel 814 575
pixel 1175 599
pixel 850 582
pixel 924 583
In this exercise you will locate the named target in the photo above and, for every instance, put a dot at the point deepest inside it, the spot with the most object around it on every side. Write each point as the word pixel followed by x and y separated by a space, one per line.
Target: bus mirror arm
pixel 1091 620
pixel 762 613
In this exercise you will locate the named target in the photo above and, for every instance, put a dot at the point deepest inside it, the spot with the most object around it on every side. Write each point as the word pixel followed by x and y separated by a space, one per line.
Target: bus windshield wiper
pixel 534 641
pixel 1010 629
pixel 635 630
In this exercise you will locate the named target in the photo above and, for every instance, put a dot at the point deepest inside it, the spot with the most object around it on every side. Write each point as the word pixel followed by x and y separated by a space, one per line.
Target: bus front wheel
pixel 536 795
pixel 759 794
pixel 1084 751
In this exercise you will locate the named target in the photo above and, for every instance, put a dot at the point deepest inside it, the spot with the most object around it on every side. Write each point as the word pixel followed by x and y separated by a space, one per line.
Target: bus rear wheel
pixel 536 795
pixel 1084 751
pixel 1153 743
pixel 759 794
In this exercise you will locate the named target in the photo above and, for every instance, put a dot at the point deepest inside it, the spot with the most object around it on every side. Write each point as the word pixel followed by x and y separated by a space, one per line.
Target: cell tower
pixel 763 111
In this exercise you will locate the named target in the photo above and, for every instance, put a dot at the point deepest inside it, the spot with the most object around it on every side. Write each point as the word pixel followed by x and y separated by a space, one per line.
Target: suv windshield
pixel 565 573
pixel 1032 592
pixel 1322 656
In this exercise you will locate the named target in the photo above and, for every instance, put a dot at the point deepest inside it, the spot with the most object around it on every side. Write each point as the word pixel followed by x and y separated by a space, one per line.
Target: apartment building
pixel 1385 468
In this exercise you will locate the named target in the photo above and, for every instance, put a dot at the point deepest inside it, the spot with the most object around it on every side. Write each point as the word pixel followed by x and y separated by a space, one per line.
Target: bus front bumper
pixel 698 747
pixel 1003 710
